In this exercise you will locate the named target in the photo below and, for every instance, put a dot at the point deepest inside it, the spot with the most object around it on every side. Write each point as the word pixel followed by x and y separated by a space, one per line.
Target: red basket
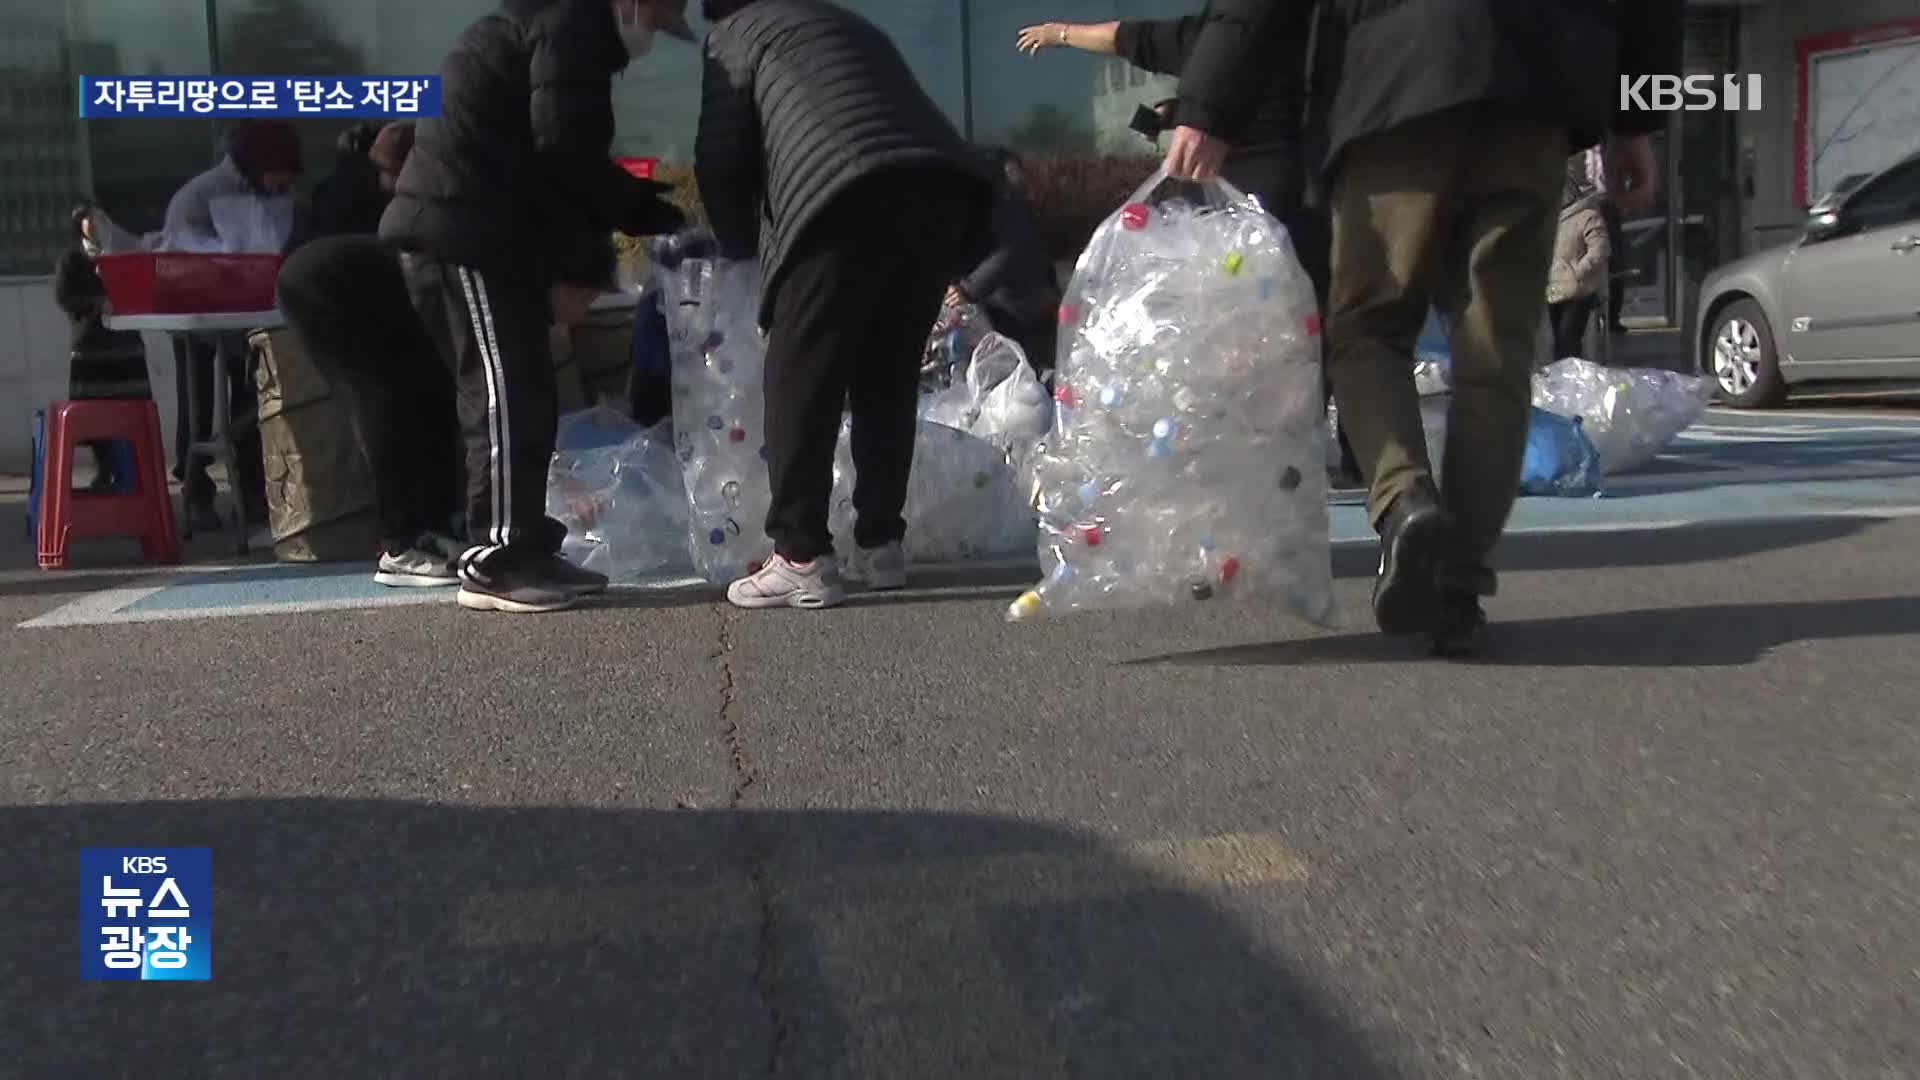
pixel 641 167
pixel 188 283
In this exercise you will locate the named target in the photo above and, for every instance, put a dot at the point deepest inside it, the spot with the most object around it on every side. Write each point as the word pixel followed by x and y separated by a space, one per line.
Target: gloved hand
pixel 649 213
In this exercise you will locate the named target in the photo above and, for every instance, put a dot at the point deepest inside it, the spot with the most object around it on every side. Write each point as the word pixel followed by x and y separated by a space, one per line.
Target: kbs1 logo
pixel 1695 93
pixel 146 914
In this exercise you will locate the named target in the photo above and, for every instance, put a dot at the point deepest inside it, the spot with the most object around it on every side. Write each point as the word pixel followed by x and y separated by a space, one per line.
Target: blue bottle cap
pixel 715 423
pixel 717 537
pixel 1163 429
pixel 1110 396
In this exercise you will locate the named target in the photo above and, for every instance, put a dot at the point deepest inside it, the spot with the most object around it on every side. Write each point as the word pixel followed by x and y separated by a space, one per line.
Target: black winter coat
pixel 104 363
pixel 802 99
pixel 1398 60
pixel 1267 158
pixel 1017 278
pixel 348 202
pixel 514 176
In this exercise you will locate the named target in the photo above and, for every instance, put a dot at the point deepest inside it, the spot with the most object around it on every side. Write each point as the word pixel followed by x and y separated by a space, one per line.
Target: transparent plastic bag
pixel 1000 400
pixel 1631 414
pixel 719 358
pixel 964 501
pixel 617 488
pixel 951 344
pixel 1187 460
pixel 1560 461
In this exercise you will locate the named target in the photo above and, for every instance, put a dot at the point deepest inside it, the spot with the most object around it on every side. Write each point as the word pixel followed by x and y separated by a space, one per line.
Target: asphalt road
pixel 1668 829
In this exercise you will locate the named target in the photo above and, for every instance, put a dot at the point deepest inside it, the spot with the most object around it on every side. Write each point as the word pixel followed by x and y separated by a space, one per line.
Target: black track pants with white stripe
pixel 492 332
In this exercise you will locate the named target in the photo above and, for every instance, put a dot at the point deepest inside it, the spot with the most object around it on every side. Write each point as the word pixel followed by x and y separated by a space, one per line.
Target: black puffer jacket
pixel 514 175
pixel 802 99
pixel 1268 158
pixel 1397 60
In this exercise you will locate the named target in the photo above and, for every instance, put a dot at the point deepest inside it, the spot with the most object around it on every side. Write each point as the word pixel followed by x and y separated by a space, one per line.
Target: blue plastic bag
pixel 1561 461
pixel 1432 344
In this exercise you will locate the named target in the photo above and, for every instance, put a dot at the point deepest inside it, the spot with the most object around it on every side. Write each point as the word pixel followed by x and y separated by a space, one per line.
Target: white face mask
pixel 637 35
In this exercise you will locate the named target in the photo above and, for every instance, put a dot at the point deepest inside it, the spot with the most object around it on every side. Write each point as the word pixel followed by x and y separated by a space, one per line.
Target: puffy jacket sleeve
pixel 76 285
pixel 1226 76
pixel 571 100
pixel 1157 45
pixel 1651 36
pixel 729 162
pixel 1591 269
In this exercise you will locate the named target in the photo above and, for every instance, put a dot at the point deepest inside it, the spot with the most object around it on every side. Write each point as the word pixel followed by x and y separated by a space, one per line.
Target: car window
pixel 1892 197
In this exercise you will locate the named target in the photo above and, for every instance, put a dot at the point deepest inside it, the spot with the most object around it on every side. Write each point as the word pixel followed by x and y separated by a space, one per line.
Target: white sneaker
pixel 427 564
pixel 785 584
pixel 884 567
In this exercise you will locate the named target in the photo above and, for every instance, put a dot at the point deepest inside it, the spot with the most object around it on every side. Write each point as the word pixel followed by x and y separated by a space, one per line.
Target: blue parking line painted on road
pixel 278 583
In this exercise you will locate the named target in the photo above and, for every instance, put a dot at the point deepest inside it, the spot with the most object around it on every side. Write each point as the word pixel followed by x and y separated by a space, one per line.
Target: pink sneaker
pixel 781 583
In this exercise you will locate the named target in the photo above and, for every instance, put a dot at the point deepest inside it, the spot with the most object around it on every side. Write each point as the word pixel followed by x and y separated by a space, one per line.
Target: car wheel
pixel 1742 359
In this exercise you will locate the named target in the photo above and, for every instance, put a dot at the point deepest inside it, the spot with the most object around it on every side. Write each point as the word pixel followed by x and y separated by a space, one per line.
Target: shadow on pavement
pixel 1630 547
pixel 1728 635
pixel 362 938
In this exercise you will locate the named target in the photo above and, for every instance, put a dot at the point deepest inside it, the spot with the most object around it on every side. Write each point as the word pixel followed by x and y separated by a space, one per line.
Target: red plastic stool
pixel 145 511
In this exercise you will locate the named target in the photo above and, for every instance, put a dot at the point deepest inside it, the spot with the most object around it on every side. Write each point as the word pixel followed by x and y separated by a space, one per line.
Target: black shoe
pixel 1462 627
pixel 515 583
pixel 1406 595
pixel 575 579
pixel 205 518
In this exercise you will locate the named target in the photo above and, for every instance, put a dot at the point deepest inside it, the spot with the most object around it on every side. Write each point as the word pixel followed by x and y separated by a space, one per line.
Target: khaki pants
pixel 1456 210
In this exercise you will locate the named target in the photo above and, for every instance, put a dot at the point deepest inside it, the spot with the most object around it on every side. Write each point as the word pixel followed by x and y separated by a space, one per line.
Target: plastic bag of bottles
pixel 617 488
pixel 719 356
pixel 1000 400
pixel 951 344
pixel 1561 461
pixel 964 501
pixel 1631 414
pixel 1187 460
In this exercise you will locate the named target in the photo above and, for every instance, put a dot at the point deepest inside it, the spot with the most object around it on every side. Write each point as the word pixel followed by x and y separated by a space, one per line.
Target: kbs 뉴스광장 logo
pixel 146 914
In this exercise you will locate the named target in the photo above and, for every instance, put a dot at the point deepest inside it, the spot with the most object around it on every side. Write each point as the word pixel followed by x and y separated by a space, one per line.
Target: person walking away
pixel 106 364
pixel 351 199
pixel 1268 157
pixel 820 152
pixel 263 159
pixel 1015 285
pixel 1617 262
pixel 1446 172
pixel 504 214
pixel 1578 278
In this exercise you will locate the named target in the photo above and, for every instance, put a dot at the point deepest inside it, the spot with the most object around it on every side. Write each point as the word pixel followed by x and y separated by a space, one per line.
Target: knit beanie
pixel 264 146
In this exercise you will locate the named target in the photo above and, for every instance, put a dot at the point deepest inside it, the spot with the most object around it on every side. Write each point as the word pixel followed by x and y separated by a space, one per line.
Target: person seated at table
pixel 106 364
pixel 1015 285
pixel 504 215
pixel 262 160
pixel 352 197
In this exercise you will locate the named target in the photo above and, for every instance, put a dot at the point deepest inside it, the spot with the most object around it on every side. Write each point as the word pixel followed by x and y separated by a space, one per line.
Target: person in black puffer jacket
pixel 1015 285
pixel 1449 124
pixel 504 215
pixel 819 152
pixel 351 200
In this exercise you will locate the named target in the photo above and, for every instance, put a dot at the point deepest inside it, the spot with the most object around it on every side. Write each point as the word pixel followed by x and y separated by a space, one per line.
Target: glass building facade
pixel 962 50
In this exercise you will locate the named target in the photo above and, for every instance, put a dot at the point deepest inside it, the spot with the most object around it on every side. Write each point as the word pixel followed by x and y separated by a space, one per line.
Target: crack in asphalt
pixel 770 946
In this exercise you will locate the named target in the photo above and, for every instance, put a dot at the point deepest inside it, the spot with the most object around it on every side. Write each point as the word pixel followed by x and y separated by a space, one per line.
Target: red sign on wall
pixel 1809 52
pixel 642 167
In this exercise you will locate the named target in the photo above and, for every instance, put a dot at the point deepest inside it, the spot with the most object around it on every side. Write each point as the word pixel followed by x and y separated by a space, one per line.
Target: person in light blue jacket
pixel 262 160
